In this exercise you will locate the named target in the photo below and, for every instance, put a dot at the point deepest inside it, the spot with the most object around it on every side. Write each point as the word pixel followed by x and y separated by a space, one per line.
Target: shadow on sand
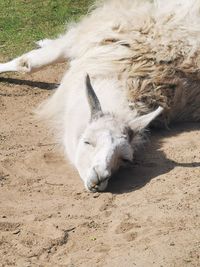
pixel 34 84
pixel 150 162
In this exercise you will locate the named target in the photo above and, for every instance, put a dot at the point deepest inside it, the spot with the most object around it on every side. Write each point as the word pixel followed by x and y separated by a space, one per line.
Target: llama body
pixel 139 55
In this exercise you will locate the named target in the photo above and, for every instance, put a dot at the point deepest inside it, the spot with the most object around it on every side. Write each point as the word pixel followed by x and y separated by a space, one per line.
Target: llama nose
pixel 101 186
pixel 102 175
pixel 99 180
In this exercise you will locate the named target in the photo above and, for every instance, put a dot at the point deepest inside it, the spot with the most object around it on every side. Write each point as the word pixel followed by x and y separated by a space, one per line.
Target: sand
pixel 150 215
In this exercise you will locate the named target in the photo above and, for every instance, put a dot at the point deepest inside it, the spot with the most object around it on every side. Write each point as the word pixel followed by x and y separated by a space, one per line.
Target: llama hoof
pixel 42 43
pixel 1 68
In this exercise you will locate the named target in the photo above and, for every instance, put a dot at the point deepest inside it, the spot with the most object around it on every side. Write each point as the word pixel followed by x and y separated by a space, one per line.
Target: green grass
pixel 24 21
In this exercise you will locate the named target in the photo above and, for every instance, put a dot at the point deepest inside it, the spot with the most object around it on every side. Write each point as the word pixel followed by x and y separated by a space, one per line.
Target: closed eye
pixel 126 161
pixel 87 143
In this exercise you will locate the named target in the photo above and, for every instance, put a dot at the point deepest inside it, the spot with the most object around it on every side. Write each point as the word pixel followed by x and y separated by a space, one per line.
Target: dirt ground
pixel 150 215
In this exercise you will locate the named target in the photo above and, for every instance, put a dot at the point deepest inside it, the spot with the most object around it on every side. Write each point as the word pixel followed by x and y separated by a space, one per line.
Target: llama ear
pixel 142 122
pixel 95 106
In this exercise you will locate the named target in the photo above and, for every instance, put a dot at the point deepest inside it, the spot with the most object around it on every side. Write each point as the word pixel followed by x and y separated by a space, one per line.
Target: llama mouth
pixel 100 187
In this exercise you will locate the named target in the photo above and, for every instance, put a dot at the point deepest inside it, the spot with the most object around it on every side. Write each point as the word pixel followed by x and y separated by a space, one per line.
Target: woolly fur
pixel 151 47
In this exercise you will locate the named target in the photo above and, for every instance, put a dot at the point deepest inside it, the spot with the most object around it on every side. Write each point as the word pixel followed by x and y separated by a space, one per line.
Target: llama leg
pixel 53 51
pixel 43 42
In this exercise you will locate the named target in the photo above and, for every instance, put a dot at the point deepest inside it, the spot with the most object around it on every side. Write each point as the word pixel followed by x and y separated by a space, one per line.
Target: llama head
pixel 107 143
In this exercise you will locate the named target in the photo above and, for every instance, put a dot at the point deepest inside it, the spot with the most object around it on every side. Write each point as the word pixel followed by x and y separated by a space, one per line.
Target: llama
pixel 132 64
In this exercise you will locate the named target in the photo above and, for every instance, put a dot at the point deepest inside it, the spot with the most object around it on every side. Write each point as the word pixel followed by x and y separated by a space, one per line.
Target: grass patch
pixel 24 21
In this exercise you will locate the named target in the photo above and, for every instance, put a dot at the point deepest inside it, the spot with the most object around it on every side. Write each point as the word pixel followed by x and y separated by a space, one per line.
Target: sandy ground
pixel 149 216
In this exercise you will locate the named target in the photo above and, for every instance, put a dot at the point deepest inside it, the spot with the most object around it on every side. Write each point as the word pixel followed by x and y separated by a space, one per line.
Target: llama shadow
pixel 33 84
pixel 150 162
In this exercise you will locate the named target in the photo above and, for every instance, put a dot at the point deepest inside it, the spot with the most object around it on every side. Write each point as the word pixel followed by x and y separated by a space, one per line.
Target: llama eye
pixel 90 144
pixel 87 143
pixel 127 161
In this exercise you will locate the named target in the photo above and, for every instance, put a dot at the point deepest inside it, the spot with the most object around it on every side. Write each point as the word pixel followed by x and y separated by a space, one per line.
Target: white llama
pixel 140 55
